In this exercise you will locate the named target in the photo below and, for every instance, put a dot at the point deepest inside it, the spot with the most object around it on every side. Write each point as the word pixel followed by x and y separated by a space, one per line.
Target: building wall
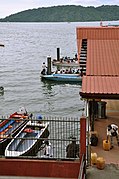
pixel 39 168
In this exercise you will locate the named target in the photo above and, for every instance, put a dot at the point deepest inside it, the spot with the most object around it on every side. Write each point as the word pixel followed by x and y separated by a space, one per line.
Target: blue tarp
pixel 6 126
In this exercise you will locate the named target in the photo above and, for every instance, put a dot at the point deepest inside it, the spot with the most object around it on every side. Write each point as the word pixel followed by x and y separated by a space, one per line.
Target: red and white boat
pixel 10 127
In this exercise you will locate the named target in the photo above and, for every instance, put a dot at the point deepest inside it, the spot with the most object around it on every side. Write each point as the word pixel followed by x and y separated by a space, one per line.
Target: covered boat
pixel 65 63
pixel 28 141
pixel 10 127
pixel 63 77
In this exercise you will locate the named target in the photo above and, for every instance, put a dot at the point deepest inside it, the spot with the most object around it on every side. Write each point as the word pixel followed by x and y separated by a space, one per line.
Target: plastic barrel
pixel 106 145
pixel 93 158
pixel 100 163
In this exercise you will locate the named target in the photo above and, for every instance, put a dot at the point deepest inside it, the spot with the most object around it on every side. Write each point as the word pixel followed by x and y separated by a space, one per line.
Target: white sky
pixel 8 7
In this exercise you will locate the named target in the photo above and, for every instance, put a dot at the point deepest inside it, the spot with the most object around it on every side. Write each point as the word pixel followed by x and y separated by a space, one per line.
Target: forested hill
pixel 69 13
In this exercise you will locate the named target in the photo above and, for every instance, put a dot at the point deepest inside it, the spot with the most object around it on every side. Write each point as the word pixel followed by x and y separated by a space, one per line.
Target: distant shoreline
pixel 68 13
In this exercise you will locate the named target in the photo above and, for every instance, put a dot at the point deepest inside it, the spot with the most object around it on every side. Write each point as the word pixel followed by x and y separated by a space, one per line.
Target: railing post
pixel 83 143
pixel 82 136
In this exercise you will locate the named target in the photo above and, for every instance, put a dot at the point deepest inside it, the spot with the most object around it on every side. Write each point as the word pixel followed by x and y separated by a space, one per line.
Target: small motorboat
pixel 2 45
pixel 1 90
pixel 10 127
pixel 29 139
pixel 63 77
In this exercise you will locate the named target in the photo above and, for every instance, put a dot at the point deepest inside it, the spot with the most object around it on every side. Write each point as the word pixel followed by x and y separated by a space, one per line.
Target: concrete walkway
pixel 110 171
pixel 112 114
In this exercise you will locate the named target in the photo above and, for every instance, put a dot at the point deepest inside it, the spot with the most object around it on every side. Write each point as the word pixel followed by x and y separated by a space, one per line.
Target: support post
pixel 83 144
pixel 82 136
pixel 49 65
pixel 93 115
pixel 58 54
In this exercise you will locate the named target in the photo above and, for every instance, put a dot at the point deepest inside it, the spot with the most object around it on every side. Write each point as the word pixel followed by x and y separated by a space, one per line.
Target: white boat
pixel 27 142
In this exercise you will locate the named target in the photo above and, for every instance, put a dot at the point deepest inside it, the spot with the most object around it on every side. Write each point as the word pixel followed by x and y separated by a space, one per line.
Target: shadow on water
pixel 50 83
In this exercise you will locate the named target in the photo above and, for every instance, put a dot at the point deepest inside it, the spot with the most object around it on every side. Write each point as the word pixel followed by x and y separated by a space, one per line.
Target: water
pixel 27 46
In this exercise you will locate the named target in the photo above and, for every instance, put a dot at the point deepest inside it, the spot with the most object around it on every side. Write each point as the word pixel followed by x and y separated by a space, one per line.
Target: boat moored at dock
pixel 63 77
pixel 27 142
pixel 9 128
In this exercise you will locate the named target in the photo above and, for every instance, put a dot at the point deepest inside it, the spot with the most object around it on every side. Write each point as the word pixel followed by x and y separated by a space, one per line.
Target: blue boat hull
pixel 63 77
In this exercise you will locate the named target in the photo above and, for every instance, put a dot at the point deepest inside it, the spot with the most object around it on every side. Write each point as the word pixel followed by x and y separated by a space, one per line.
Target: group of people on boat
pixel 67 71
pixel 68 59
pixel 61 71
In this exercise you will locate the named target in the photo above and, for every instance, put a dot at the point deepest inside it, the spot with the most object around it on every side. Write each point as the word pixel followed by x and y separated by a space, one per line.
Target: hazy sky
pixel 8 7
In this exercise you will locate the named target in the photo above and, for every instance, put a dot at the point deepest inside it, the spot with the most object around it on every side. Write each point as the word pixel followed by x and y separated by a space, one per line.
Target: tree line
pixel 68 13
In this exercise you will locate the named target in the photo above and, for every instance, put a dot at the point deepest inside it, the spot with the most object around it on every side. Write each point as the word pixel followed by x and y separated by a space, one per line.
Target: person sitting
pixel 23 111
pixel 112 131
pixel 72 149
pixel 31 116
pixel 66 72
pixel 81 74
pixel 70 71
pixel 78 71
pixel 39 118
pixel 76 56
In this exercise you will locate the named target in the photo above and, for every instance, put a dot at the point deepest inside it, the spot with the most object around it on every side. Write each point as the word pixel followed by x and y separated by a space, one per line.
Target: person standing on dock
pixel 48 149
pixel 112 131
pixel 72 149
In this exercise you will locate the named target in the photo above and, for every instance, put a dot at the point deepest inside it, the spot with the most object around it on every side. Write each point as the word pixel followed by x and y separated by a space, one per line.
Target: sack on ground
pixel 94 140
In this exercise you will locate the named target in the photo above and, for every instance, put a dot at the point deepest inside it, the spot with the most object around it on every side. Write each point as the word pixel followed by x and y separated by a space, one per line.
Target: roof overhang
pixel 100 87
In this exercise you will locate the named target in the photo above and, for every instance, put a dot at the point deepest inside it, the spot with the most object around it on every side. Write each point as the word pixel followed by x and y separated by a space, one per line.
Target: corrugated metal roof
pixel 102 57
pixel 100 87
pixel 102 63
pixel 99 33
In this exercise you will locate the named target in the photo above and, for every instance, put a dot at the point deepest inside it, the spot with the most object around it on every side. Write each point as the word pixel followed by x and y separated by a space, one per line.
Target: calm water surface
pixel 27 46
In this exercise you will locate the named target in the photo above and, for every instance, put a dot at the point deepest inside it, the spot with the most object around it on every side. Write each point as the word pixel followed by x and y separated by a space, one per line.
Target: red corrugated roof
pixel 98 33
pixel 102 57
pixel 100 87
pixel 102 63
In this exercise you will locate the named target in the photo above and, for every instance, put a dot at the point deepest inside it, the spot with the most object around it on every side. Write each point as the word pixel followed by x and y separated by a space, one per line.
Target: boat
pixel 65 63
pixel 1 90
pixel 27 142
pixel 9 128
pixel 62 77
pixel 2 45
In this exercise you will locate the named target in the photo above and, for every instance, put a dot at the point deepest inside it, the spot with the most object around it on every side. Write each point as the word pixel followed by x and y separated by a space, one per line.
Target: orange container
pixel 93 158
pixel 106 145
pixel 100 163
